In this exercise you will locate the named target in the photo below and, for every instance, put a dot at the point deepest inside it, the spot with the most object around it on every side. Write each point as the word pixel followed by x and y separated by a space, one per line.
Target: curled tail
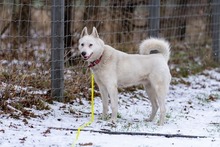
pixel 155 44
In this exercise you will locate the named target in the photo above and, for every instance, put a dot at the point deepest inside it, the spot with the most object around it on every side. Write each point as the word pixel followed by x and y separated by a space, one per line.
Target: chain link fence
pixel 38 43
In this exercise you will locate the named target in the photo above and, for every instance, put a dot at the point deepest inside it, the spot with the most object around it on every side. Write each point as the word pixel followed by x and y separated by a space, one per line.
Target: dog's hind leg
pixel 153 99
pixel 161 92
pixel 161 86
pixel 161 102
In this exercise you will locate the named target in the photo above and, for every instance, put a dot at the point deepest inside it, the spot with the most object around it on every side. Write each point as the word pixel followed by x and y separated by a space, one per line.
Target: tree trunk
pixel 67 32
pixel 20 24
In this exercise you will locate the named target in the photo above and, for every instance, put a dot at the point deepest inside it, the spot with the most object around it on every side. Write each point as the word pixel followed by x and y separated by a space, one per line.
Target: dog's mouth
pixel 87 57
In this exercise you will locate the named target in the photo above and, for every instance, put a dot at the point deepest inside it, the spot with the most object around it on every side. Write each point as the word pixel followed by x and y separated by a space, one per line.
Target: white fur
pixel 155 44
pixel 119 69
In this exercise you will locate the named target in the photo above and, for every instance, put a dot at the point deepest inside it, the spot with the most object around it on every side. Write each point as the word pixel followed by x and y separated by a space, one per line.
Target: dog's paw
pixel 111 123
pixel 148 120
pixel 160 123
pixel 105 116
pixel 112 120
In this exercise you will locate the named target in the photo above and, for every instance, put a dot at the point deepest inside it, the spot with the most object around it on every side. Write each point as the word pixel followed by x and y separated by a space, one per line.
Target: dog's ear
pixel 84 32
pixel 95 32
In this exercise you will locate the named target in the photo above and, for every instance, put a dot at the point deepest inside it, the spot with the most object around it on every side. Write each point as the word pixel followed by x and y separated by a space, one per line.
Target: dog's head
pixel 90 46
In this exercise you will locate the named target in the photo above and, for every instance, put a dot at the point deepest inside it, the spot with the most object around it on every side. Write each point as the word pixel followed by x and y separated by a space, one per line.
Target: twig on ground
pixel 132 133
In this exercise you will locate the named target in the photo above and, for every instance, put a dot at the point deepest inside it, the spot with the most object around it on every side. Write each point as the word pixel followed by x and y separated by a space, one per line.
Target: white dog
pixel 113 69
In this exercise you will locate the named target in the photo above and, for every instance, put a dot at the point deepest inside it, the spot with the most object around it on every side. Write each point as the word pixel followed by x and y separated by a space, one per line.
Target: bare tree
pixel 67 31
pixel 20 23
pixel 21 20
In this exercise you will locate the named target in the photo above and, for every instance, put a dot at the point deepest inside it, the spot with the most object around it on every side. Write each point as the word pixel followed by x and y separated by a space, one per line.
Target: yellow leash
pixel 92 110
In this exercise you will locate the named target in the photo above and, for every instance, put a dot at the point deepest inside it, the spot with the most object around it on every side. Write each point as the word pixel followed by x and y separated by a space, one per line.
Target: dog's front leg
pixel 105 100
pixel 113 94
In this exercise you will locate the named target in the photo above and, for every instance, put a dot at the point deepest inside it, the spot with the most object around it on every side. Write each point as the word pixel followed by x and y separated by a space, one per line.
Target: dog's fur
pixel 118 69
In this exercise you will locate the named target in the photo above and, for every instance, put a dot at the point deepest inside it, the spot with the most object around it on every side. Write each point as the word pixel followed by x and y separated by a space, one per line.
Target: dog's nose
pixel 83 53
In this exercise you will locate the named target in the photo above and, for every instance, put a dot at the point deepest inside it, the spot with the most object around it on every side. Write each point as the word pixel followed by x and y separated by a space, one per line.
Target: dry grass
pixel 187 59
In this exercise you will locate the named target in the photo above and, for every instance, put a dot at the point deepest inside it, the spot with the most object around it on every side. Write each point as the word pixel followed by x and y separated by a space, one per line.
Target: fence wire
pixel 192 27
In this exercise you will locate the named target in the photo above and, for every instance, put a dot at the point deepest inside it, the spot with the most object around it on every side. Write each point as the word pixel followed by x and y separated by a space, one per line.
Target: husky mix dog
pixel 113 68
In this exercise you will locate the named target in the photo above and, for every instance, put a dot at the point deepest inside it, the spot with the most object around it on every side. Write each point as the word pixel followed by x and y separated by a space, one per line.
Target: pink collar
pixel 94 63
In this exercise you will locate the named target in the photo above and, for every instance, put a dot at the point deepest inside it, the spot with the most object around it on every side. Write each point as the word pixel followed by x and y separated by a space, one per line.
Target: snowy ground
pixel 193 108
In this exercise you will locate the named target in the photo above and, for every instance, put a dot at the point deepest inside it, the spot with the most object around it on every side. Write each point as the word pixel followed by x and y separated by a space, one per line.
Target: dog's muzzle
pixel 83 54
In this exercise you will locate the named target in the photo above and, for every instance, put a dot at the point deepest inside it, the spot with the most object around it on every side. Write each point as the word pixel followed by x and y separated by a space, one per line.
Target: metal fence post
pixel 57 50
pixel 216 30
pixel 154 14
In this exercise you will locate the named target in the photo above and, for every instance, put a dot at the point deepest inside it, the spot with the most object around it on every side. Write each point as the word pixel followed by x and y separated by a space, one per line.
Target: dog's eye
pixel 82 44
pixel 90 45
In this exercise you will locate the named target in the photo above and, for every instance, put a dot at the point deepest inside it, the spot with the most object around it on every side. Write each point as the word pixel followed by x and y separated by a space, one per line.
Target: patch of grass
pixel 17 100
pixel 168 115
pixel 180 81
pixel 212 97
pixel 217 126
pixel 204 99
pixel 18 106
pixel 213 127
pixel 188 59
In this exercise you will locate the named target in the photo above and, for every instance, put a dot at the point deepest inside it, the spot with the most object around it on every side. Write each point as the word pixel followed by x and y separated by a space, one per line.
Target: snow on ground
pixel 193 108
